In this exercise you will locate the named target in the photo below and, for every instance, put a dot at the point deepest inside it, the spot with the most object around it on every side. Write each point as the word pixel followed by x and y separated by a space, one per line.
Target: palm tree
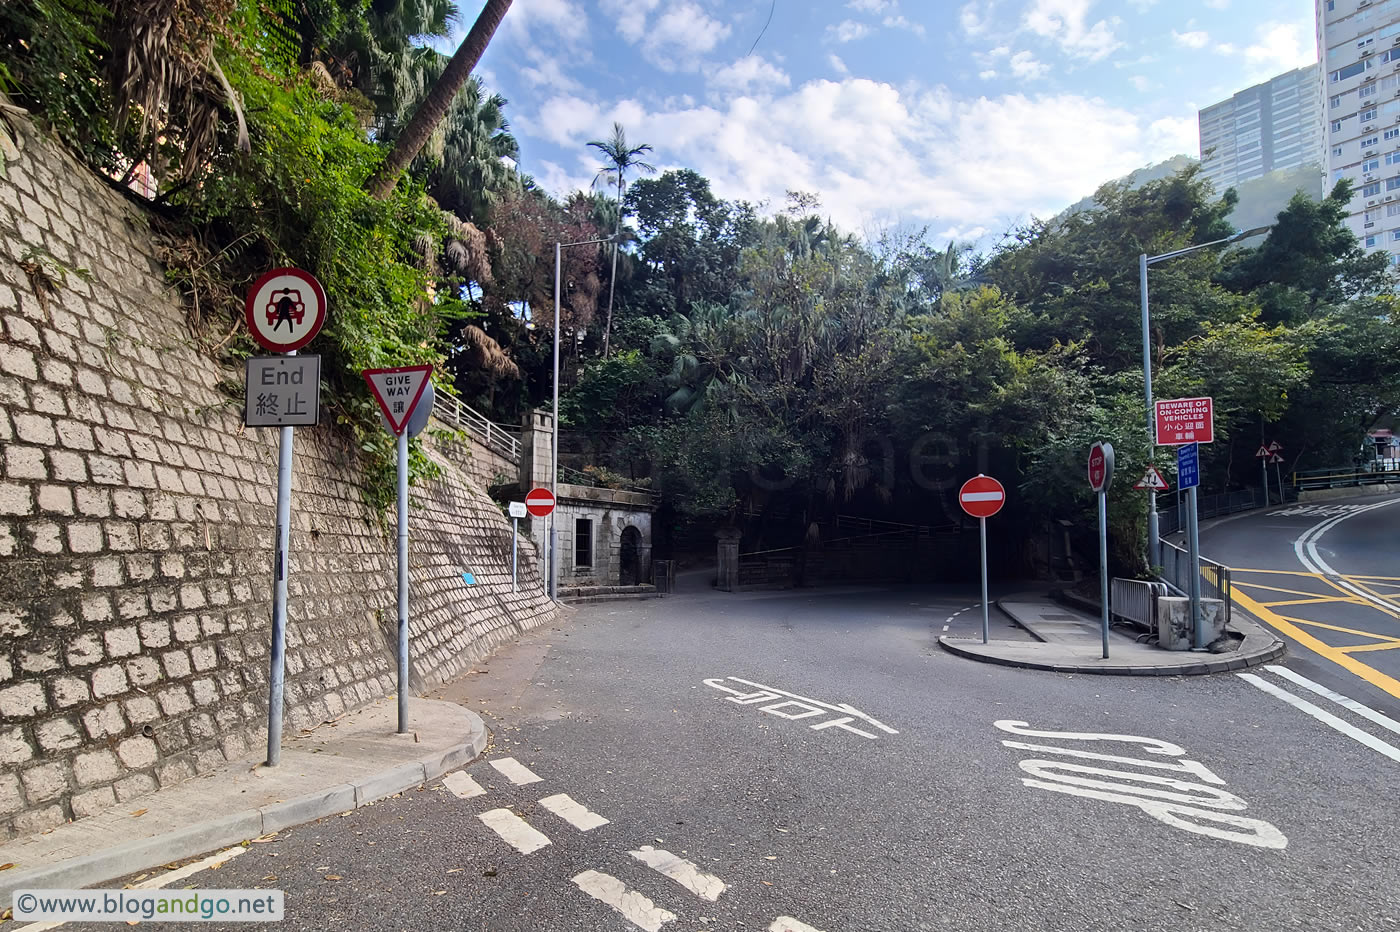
pixel 469 169
pixel 435 106
pixel 620 157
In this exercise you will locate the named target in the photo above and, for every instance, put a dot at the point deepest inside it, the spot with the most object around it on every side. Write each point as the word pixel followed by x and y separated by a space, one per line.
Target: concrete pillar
pixel 728 543
pixel 536 442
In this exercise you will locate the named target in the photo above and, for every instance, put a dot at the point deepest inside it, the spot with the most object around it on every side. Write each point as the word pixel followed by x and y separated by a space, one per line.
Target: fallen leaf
pixel 332 876
pixel 7 866
pixel 270 878
pixel 765 883
pixel 439 892
pixel 771 858
pixel 138 813
pixel 455 870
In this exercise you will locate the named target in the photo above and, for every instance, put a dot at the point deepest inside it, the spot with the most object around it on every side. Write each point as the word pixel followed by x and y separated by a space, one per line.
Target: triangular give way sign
pixel 398 392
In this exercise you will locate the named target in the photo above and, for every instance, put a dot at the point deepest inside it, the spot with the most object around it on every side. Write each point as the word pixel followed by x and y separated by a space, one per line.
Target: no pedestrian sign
pixel 398 392
pixel 285 309
pixel 1185 420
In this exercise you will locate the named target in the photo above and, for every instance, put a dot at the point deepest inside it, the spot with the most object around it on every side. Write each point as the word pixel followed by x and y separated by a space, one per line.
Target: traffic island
pixel 1067 640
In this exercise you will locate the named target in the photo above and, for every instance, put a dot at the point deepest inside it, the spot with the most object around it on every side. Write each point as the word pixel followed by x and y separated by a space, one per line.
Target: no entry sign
pixel 285 309
pixel 540 502
pixel 1185 420
pixel 982 496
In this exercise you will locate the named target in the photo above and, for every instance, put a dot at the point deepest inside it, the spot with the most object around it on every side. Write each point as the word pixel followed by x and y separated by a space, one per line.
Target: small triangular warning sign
pixel 1152 479
pixel 398 392
pixel 1275 459
pixel 1263 451
pixel 1275 446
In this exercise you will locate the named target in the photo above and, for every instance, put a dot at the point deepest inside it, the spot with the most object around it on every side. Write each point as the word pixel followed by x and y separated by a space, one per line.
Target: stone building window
pixel 583 543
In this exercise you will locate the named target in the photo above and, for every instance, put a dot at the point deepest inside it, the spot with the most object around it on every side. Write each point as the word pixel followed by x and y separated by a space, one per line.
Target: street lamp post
pixel 1154 539
pixel 553 561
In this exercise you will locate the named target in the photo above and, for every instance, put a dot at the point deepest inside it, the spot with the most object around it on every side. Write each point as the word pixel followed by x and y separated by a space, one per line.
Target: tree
pixel 620 157
pixel 435 106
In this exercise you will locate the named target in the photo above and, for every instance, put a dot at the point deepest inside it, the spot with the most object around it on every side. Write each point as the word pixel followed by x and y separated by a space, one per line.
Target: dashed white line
pixel 789 924
pixel 514 830
pixel 461 785
pixel 515 772
pixel 1322 715
pixel 574 813
pixel 683 872
pixel 1346 702
pixel 634 907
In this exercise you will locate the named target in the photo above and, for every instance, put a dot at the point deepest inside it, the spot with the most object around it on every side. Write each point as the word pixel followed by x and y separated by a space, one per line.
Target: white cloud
pixel 869 6
pixel 676 40
pixel 1025 66
pixel 1279 47
pixel 563 17
pixel 630 16
pixel 1141 82
pixel 988 74
pixel 846 139
pixel 848 31
pixel 1218 4
pixel 1142 6
pixel 1066 22
pixel 545 70
pixel 1192 40
pixel 975 18
pixel 837 64
pixel 899 22
pixel 749 73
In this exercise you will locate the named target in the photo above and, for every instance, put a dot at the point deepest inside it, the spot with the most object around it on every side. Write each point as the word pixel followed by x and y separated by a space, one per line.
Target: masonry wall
pixel 136 524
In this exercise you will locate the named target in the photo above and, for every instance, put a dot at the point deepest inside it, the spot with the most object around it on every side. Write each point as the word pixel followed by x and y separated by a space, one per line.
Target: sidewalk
pixel 1067 640
pixel 341 765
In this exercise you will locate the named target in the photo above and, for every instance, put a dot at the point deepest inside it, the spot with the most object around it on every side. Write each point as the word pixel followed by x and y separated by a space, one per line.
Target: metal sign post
pixel 982 497
pixel 540 502
pixel 401 392
pixel 1264 455
pixel 517 511
pixel 1188 476
pixel 1101 464
pixel 284 310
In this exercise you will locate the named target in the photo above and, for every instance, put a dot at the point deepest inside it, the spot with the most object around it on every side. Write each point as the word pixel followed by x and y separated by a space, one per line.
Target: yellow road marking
pixel 1369 674
pixel 1391 579
pixel 1322 624
pixel 1365 647
pixel 1255 585
pixel 1354 600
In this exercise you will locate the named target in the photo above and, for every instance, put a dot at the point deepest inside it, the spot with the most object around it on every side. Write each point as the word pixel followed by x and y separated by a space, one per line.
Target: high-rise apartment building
pixel 1359 50
pixel 1274 125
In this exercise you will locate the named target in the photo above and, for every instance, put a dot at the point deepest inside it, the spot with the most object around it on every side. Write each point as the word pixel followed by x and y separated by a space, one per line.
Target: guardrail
pixel 1173 519
pixel 1215 577
pixel 1135 600
pixel 571 476
pixel 1311 479
pixel 451 410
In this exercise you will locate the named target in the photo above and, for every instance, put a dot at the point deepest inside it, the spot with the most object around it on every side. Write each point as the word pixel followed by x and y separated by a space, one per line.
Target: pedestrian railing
pixel 1135 600
pixel 450 410
pixel 1176 573
pixel 1171 520
pixel 1344 478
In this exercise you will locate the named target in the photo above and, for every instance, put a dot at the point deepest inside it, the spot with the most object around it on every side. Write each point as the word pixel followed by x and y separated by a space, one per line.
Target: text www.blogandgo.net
pixel 167 905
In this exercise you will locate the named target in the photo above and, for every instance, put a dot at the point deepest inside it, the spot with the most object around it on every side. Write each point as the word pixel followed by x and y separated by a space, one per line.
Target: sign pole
pixel 403 581
pixel 1278 472
pixel 514 551
pixel 1193 519
pixel 1265 463
pixel 1103 566
pixel 277 680
pixel 985 633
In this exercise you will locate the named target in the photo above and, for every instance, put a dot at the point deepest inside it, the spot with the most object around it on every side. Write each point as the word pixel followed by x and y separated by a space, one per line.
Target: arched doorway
pixel 630 557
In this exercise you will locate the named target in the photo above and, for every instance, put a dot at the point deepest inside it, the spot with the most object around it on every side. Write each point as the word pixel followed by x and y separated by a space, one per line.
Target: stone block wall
pixel 136 526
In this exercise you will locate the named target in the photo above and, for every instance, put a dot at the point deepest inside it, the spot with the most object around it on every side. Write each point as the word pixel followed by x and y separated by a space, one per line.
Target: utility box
pixel 1174 628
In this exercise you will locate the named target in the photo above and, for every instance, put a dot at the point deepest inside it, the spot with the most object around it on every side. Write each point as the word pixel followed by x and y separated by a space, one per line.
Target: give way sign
pixel 398 392
pixel 982 496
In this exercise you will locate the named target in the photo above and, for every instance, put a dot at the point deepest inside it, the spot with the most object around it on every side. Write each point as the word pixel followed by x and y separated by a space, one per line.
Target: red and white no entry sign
pixel 285 309
pixel 982 496
pixel 540 502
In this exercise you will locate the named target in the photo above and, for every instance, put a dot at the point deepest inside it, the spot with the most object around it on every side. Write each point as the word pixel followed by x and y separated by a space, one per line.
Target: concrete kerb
pixel 224 831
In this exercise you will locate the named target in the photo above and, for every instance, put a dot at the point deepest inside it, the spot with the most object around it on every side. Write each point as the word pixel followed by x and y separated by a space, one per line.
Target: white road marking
pixel 683 872
pixel 1346 702
pixel 634 907
pixel 515 772
pixel 789 924
pixel 155 883
pixel 461 785
pixel 1305 549
pixel 576 814
pixel 1181 766
pixel 843 708
pixel 514 830
pixel 1323 716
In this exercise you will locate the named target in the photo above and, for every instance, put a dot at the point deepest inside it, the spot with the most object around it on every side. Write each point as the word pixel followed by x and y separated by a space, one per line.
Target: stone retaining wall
pixel 136 524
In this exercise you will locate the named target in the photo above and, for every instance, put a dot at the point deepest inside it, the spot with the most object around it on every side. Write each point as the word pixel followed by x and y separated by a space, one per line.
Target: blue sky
pixel 966 116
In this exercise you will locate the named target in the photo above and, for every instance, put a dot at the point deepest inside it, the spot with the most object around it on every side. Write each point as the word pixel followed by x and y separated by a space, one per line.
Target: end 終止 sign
pixel 1185 420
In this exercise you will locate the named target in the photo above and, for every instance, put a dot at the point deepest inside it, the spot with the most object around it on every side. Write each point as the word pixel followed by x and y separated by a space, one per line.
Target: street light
pixel 554 441
pixel 1154 540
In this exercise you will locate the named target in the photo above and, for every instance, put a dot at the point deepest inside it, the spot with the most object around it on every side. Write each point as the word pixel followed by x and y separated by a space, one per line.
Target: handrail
pixel 449 408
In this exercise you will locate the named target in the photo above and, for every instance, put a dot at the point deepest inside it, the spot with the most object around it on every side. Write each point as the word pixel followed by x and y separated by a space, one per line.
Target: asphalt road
pixel 1326 576
pixel 885 798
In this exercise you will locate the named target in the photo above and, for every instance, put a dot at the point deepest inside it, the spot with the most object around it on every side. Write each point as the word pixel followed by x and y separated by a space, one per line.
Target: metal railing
pixel 451 410
pixel 1135 600
pixel 1171 520
pixel 1176 573
pixel 1344 478
pixel 571 476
